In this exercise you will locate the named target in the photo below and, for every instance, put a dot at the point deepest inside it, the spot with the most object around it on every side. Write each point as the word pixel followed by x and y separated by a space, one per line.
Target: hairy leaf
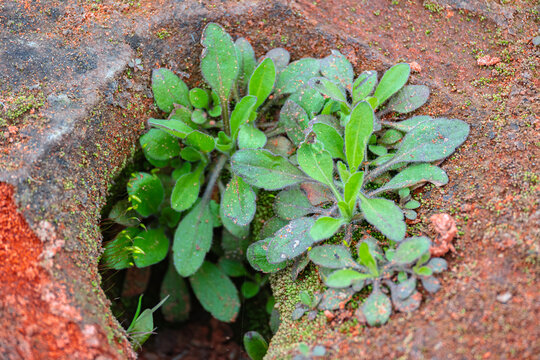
pixel 386 216
pixel 408 99
pixel 309 99
pixel 292 204
pixel 357 133
pixel 317 163
pixel 328 89
pixel 257 257
pixel 246 61
pixel 330 138
pixel 392 80
pixel 280 56
pixel 159 145
pixel 337 68
pixel 431 284
pixel 409 124
pixel 438 265
pixel 296 74
pixel 406 288
pixel 216 292
pixel 364 85
pixel 262 81
pixel 168 90
pixel 332 256
pixel 334 299
pixel 186 190
pixel 377 308
pixel 154 245
pixel 249 137
pixel 238 201
pixel 325 227
pixel 411 249
pixel 344 278
pixel 174 127
pixel 291 240
pixel 200 141
pixel 416 174
pixel 146 193
pixel 366 258
pixel 241 112
pixel 294 120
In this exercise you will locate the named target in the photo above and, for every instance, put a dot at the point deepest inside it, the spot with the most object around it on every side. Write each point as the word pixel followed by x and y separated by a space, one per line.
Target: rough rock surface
pixel 72 108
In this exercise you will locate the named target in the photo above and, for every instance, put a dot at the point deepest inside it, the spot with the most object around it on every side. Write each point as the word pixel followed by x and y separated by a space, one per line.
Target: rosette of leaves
pixel 188 191
pixel 349 157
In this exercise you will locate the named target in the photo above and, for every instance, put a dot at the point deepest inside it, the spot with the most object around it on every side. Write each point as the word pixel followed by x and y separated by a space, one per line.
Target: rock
pixel 415 67
pixel 488 60
pixel 504 297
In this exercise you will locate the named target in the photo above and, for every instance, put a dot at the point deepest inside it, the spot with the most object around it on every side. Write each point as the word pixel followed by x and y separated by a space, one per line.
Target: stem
pixel 380 170
pixel 348 235
pixel 214 175
pixel 274 132
pixel 270 103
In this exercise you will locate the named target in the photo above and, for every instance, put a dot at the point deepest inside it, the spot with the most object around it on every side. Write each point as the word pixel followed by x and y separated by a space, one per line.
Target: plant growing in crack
pixel 372 157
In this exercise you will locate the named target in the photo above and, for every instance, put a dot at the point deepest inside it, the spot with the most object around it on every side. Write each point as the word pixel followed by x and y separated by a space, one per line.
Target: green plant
pixel 372 157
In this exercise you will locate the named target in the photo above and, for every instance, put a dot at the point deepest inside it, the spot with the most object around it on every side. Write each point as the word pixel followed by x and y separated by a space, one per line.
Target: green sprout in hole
pixel 333 159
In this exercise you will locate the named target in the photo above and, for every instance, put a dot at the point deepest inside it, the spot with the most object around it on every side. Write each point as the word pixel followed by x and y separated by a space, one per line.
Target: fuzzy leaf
pixel 169 89
pixel 366 258
pixel 122 213
pixel 377 308
pixel 177 307
pixel 325 227
pixel 238 201
pixel 154 244
pixel 186 190
pixel 232 268
pixel 332 256
pixel 199 98
pixel 246 61
pixel 257 257
pixel 174 127
pixel 317 163
pixel 416 174
pixel 241 112
pixel 262 81
pixel 280 56
pixel 390 137
pixel 406 288
pixel 192 240
pixel 433 140
pixel 271 226
pixel 256 346
pixel 337 68
pixel 408 99
pixel 216 292
pixel 431 284
pixel 344 278
pixel 142 327
pixel 219 64
pixel 262 169
pixel 386 216
pixel 117 252
pixel 409 124
pixel 409 304
pixel 357 133
pixel 292 204
pixel 438 265
pixel 240 232
pixel 330 138
pixel 249 137
pixel 157 144
pixel 294 120
pixel 291 240
pixel 334 299
pixel 392 80
pixel 328 89
pixel 200 141
pixel 146 193
pixel 309 99
pixel 364 85
pixel 411 249
pixel 352 188
pixel 296 74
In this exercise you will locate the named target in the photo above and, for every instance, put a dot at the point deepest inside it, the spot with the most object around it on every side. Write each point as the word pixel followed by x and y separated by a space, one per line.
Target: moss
pixel 18 104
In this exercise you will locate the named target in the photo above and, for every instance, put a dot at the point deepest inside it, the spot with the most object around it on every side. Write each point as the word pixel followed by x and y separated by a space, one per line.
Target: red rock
pixel 488 60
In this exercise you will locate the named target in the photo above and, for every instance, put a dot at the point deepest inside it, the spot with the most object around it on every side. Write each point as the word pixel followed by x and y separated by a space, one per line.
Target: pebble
pixel 488 60
pixel 504 297
pixel 415 67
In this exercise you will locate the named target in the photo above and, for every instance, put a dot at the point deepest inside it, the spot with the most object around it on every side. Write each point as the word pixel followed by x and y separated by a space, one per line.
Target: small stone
pixel 488 60
pixel 504 297
pixel 415 67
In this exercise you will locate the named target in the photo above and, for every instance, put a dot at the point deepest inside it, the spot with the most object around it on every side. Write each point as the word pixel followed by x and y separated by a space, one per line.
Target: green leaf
pixel 249 289
pixel 117 252
pixel 198 116
pixel 292 204
pixel 199 98
pixel 146 193
pixel 433 140
pixel 141 329
pixel 325 227
pixel 270 227
pixel 168 90
pixel 216 292
pixel 344 173
pixel 332 256
pixel 317 163
pixel 246 61
pixel 291 240
pixel 232 268
pixel 249 137
pixel 192 240
pixel 367 259
pixel 177 308
pixel 392 80
pixel 262 81
pixel 186 190
pixel 305 298
pixel 337 68
pixel 411 249
pixel 192 155
pixel 256 255
pixel 238 201
pixel 364 85
pixel 154 245
pixel 262 169
pixel 157 144
pixel 377 308
pixel 357 133
pixel 423 271
pixel 390 137
pixel 374 248
pixel 298 73
pixel 240 232
pixel 352 188
pixel 224 143
pixel 408 99
pixel 431 284
pixel 333 299
pixel 294 120
pixel 328 89
pixel 438 265
pixel 309 99
pixel 409 124
pixel 241 112
pixel 378 150
pixel 200 141
pixel 344 278
pixel 256 346
pixel 416 174
pixel 174 127
pixel 280 56
pixel 330 138
pixel 386 216
pixel 219 64
pixel 413 204
pixel 405 288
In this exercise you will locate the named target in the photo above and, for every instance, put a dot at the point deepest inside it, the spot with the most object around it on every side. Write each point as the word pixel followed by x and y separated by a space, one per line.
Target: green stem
pixel 225 116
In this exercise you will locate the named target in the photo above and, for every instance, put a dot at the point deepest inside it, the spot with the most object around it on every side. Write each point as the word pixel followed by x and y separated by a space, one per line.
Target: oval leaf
pixel 145 192
pixel 298 73
pixel 411 249
pixel 377 308
pixel 246 61
pixel 292 204
pixel 238 201
pixel 291 240
pixel 386 216
pixel 154 245
pixel 168 90
pixel 186 190
pixel 357 133
pixel 416 174
pixel 337 68
pixel 241 112
pixel 332 256
pixel 256 346
pixel 392 80
pixel 325 227
pixel 294 120
pixel 317 163
pixel 408 99
pixel 262 81
pixel 344 278
pixel 256 255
